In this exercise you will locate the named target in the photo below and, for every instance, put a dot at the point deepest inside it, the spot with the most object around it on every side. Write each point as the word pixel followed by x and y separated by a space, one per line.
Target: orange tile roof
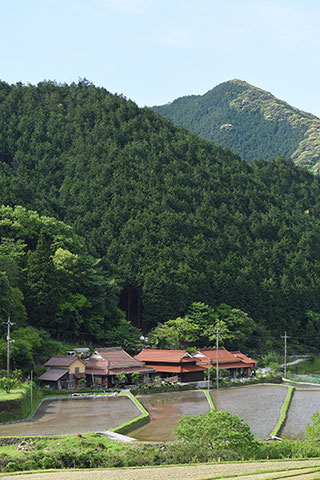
pixel 226 359
pixel 211 353
pixel 176 368
pixel 161 355
pixel 244 357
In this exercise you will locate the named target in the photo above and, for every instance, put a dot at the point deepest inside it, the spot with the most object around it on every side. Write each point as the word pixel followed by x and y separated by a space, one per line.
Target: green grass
pixel 283 413
pixel 307 367
pixel 209 398
pixel 14 394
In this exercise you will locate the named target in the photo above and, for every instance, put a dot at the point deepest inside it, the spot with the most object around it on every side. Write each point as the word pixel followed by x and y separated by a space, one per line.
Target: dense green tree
pixel 219 431
pixel 198 328
pixel 172 217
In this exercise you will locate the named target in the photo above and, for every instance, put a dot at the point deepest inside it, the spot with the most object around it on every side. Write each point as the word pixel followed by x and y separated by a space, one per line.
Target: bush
pixel 218 431
pixel 47 462
pixel 151 388
pixel 12 467
pixel 30 465
pixel 313 430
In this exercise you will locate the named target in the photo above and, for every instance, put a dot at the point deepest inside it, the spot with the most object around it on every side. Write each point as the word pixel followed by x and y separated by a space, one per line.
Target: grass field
pixel 13 395
pixel 308 367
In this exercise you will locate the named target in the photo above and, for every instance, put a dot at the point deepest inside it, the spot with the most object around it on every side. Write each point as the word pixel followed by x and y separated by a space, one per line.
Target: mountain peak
pixel 260 125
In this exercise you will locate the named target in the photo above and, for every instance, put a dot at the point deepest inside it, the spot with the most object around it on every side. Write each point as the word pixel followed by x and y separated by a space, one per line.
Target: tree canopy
pixel 164 214
pixel 219 430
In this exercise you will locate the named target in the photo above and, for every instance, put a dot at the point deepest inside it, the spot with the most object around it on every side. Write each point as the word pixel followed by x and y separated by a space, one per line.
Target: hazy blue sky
pixel 154 51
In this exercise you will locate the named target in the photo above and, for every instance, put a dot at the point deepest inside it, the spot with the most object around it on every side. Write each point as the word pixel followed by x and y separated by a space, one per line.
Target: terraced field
pixel 75 415
pixel 298 470
pixel 258 405
pixel 303 405
pixel 165 411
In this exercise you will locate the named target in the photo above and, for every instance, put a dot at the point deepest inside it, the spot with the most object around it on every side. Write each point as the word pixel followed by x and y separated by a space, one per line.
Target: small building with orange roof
pixel 172 363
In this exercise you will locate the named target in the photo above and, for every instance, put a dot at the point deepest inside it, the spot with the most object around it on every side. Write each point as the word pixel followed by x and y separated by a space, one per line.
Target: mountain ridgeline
pixel 249 121
pixel 173 218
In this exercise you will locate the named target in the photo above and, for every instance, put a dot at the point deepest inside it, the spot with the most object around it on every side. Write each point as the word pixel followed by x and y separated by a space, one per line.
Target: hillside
pixel 174 218
pixel 249 121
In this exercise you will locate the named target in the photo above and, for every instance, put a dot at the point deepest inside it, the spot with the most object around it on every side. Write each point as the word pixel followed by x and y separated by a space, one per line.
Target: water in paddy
pixel 165 411
pixel 304 404
pixel 75 415
pixel 258 405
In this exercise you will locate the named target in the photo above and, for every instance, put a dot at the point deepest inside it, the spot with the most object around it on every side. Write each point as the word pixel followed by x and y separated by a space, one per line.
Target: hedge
pixel 283 413
pixel 149 389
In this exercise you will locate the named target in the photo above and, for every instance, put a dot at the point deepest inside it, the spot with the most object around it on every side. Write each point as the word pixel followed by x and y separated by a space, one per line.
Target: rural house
pixel 105 363
pixel 172 363
pixel 236 363
pixel 64 371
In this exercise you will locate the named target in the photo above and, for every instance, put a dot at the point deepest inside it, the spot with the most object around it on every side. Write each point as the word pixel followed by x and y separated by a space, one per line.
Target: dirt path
pixel 311 470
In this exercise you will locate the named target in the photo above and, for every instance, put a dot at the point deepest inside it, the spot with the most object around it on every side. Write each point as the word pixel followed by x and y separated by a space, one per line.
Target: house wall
pixel 77 364
pixel 196 376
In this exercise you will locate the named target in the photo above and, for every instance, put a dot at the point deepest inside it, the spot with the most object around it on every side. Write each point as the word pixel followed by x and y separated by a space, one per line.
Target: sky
pixel 153 51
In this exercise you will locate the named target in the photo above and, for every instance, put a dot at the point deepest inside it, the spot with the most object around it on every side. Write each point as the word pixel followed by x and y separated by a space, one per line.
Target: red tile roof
pixel 244 358
pixel 226 359
pixel 161 355
pixel 211 354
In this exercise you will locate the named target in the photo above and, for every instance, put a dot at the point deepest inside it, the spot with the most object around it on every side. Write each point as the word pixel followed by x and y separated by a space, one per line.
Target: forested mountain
pixel 251 122
pixel 173 218
pixel 49 281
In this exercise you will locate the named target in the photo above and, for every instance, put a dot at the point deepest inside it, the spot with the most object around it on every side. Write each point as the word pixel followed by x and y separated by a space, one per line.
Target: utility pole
pixel 285 354
pixel 217 359
pixel 9 324
pixel 31 380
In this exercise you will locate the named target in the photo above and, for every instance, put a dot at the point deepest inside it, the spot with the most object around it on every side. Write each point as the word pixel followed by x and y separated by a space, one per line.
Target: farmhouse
pixel 172 363
pixel 237 363
pixel 64 371
pixel 105 363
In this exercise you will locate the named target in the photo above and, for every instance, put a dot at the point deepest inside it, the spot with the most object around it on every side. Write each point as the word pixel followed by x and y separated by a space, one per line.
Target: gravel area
pixel 258 405
pixel 193 472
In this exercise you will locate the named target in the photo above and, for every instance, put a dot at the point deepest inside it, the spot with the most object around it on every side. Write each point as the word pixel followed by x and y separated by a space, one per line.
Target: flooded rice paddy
pixel 258 405
pixel 165 411
pixel 304 404
pixel 76 415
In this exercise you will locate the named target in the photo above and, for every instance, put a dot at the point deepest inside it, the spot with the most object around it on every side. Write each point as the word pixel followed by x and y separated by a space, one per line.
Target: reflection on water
pixel 304 404
pixel 258 405
pixel 76 415
pixel 165 411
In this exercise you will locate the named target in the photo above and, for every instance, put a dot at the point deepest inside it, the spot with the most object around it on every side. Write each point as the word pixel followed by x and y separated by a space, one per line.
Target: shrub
pixel 47 462
pixel 313 430
pixel 30 465
pixel 219 431
pixel 12 467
